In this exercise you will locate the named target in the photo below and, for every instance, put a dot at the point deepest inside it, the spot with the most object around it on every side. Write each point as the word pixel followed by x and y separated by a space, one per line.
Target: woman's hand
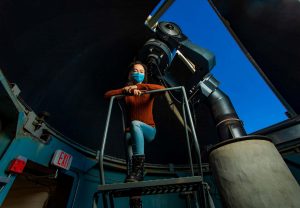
pixel 128 89
pixel 137 92
pixel 132 89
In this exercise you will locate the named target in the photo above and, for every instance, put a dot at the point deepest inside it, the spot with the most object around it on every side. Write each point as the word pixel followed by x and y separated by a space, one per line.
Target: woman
pixel 140 123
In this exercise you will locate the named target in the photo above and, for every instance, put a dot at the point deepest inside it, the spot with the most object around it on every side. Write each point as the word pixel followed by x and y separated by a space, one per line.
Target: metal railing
pixel 185 108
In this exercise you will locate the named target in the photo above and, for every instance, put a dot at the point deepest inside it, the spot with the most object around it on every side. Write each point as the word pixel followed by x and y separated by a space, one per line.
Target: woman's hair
pixel 145 69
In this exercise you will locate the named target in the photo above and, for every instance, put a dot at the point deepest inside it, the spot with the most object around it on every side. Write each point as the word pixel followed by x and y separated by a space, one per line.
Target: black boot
pixel 129 169
pixel 135 202
pixel 137 173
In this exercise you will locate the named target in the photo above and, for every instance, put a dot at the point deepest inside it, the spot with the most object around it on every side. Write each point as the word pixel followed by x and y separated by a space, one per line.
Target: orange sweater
pixel 138 107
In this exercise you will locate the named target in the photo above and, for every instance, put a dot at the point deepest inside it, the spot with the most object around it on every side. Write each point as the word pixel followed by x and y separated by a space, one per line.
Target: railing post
pixel 193 129
pixel 187 137
pixel 197 147
pixel 102 177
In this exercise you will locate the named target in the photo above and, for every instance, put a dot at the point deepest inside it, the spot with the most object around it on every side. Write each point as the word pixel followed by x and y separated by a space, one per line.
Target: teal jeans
pixel 139 133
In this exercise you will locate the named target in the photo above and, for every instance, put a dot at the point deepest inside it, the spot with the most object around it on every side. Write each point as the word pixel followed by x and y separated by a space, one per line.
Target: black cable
pixel 164 83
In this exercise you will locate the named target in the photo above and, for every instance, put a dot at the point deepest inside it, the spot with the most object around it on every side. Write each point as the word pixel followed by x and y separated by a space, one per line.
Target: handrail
pixel 100 153
pixel 188 139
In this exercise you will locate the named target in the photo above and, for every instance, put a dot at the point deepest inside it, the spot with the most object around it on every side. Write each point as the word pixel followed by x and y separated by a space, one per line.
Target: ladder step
pixel 151 187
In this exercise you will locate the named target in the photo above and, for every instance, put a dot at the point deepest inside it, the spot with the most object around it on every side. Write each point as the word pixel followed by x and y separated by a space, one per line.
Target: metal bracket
pixel 3 181
pixel 208 85
pixel 15 89
pixel 37 127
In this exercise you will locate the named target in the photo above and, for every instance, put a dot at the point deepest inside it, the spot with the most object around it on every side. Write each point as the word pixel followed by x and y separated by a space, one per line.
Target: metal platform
pixel 152 187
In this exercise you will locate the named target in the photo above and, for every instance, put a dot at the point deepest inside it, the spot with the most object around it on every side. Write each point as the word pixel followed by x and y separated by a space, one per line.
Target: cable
pixel 164 83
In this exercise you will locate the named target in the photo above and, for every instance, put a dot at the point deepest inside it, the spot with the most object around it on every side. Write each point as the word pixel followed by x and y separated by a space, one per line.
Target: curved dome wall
pixel 64 55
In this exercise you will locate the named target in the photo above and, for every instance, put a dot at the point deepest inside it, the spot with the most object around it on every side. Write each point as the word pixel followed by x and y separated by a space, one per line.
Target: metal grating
pixel 152 187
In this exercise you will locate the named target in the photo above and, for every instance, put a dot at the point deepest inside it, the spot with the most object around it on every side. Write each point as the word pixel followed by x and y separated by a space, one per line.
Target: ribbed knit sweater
pixel 138 107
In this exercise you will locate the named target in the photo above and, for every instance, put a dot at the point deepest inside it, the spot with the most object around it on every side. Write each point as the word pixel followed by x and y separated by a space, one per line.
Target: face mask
pixel 138 77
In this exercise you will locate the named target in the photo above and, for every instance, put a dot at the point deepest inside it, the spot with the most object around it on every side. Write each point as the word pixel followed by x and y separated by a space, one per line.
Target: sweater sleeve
pixel 154 87
pixel 111 93
pixel 149 87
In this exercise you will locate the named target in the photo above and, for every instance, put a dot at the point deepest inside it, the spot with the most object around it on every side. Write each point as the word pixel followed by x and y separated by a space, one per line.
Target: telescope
pixel 174 59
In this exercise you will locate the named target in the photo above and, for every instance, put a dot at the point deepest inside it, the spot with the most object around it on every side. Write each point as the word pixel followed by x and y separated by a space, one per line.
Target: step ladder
pixel 150 187
pixel 160 186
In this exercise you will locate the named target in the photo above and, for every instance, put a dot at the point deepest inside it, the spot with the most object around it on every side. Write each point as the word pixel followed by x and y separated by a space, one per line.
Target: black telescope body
pixel 171 47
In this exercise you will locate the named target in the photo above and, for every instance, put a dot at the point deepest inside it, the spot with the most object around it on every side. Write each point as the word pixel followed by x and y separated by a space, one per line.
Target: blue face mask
pixel 138 77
